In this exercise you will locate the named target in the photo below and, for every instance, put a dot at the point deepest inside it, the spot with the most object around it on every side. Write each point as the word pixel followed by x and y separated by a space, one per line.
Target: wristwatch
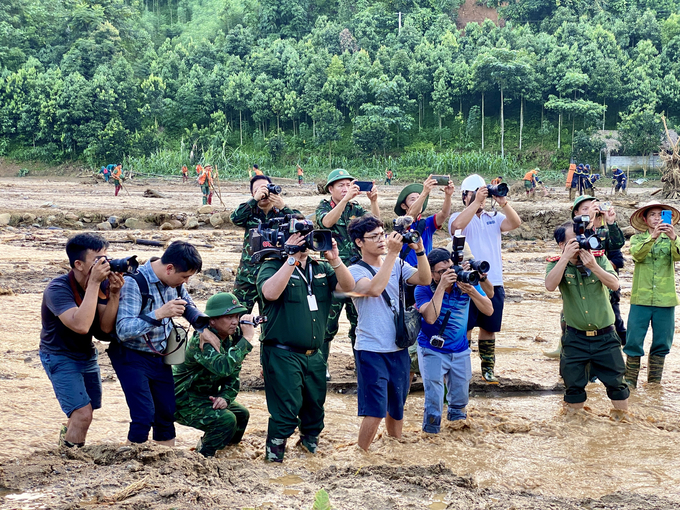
pixel 291 261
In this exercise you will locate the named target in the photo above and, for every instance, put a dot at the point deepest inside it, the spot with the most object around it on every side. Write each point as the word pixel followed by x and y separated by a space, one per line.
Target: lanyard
pixel 302 274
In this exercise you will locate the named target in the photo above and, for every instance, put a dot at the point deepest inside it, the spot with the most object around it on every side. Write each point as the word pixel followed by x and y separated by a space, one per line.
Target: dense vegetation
pixel 286 81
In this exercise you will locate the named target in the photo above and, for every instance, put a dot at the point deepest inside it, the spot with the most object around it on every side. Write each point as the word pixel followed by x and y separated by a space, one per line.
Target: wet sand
pixel 518 448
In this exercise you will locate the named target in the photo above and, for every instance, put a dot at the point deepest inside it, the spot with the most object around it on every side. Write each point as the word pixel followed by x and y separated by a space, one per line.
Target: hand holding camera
pixel 116 281
pixel 99 271
pixel 394 243
pixel 174 308
pixel 449 278
pixel 587 259
pixel 571 249
pixel 298 240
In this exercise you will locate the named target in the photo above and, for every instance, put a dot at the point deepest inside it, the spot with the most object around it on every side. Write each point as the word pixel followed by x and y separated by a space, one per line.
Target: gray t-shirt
pixel 376 331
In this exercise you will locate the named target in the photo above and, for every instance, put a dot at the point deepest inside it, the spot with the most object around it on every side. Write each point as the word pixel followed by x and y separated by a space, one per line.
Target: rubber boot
pixel 205 200
pixel 275 449
pixel 309 443
pixel 632 371
pixel 556 353
pixel 655 369
pixel 487 352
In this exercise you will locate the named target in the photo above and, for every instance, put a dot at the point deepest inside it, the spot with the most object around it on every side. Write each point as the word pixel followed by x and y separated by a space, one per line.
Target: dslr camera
pixel 124 265
pixel 402 225
pixel 471 277
pixel 585 242
pixel 273 188
pixel 269 238
pixel 497 190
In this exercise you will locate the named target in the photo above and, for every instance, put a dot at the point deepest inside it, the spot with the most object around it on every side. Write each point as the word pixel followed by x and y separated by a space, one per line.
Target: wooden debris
pixel 151 193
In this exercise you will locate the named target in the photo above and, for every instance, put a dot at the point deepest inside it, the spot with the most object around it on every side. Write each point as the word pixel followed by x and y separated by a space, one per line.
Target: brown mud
pixel 520 452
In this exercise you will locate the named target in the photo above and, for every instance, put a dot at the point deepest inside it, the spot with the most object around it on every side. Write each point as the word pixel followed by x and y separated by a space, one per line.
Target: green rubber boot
pixel 655 369
pixel 632 371
pixel 556 353
pixel 487 352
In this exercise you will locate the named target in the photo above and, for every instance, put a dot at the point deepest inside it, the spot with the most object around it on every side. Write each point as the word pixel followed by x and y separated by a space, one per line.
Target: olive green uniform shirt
pixel 585 298
pixel 289 319
pixel 654 275
pixel 346 248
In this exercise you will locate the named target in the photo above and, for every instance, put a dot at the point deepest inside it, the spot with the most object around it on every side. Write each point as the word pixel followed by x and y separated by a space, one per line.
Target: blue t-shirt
pixel 428 233
pixel 455 334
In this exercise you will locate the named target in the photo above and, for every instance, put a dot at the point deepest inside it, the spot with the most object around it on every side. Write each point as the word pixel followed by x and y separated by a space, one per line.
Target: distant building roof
pixel 613 145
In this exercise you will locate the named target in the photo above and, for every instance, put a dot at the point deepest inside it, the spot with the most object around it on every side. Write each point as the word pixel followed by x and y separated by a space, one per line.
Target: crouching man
pixel 584 280
pixel 207 383
pixel 443 349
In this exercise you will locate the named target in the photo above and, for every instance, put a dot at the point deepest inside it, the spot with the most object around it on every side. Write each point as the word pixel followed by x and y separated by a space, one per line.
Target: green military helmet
pixel 579 201
pixel 337 175
pixel 411 188
pixel 224 303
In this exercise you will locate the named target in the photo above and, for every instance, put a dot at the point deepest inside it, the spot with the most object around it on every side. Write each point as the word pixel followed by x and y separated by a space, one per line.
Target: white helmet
pixel 472 183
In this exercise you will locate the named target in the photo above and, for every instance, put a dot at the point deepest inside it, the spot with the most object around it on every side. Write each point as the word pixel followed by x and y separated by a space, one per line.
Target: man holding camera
pixel 265 205
pixel 76 307
pixel 591 346
pixel 483 231
pixel 336 214
pixel 382 367
pixel 207 383
pixel 149 301
pixel 443 349
pixel 296 293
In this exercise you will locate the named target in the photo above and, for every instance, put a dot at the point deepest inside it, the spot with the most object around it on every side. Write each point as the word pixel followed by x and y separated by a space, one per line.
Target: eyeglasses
pixel 375 237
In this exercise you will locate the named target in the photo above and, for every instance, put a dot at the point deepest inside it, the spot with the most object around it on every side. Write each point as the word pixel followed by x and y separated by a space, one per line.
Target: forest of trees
pixel 286 81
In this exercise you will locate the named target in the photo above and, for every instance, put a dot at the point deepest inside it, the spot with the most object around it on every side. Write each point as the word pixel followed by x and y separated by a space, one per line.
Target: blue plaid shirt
pixel 133 323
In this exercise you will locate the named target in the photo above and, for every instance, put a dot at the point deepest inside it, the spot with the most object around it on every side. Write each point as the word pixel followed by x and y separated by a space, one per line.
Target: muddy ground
pixel 519 452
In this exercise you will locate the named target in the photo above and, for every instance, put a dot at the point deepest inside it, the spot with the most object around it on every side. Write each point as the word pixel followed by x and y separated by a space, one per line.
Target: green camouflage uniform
pixel 209 373
pixel 347 250
pixel 247 215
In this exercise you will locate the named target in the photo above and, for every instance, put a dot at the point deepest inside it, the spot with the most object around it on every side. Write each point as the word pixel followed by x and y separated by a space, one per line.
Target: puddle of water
pixel 287 480
pixel 438 502
pixel 290 492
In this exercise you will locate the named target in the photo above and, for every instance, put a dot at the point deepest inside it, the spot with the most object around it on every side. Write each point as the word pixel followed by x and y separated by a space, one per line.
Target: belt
pixel 298 350
pixel 593 332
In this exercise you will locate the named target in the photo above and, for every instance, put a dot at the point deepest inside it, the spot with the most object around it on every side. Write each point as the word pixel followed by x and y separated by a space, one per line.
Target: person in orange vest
pixel 300 173
pixel 257 171
pixel 530 181
pixel 209 181
pixel 388 177
pixel 117 178
pixel 497 180
pixel 205 180
pixel 185 173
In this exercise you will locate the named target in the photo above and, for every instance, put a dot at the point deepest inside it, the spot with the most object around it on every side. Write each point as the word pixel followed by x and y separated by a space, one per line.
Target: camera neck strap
pixel 311 276
pixel 75 287
pixel 384 294
pixel 442 328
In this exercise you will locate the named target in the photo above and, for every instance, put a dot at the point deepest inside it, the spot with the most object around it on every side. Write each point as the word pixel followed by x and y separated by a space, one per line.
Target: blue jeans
pixel 437 369
pixel 76 383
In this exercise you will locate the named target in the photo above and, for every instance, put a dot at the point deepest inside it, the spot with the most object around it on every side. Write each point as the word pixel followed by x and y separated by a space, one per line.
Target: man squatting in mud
pixel 590 346
pixel 261 208
pixel 76 307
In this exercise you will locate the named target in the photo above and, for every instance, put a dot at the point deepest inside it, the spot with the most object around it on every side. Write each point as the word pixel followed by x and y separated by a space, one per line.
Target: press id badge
pixel 311 300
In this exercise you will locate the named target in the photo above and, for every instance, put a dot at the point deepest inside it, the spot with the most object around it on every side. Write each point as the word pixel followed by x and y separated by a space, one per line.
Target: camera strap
pixel 76 293
pixel 442 328
pixel 384 294
pixel 420 228
pixel 174 326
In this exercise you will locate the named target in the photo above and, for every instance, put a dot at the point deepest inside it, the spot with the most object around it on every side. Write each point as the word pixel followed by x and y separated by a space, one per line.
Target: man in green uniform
pixel 261 208
pixel 207 383
pixel 296 295
pixel 591 346
pixel 336 214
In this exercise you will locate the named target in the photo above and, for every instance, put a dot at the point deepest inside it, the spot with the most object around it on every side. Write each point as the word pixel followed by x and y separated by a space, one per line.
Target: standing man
pixel 591 346
pixel 443 349
pixel 257 171
pixel 300 173
pixel 262 207
pixel 482 231
pixel 76 307
pixel 336 214
pixel 653 297
pixel 388 177
pixel 185 173
pixel 117 178
pixel 530 181
pixel 620 180
pixel 205 180
pixel 296 296
pixel 383 377
pixel 148 303
pixel 207 383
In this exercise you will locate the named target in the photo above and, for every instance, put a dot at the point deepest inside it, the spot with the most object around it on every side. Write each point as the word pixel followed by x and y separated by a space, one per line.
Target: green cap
pixel 337 175
pixel 579 201
pixel 224 303
pixel 411 188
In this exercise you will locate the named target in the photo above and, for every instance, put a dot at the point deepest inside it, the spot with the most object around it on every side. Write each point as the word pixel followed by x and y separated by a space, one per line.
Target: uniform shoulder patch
pixel 554 258
pixel 598 253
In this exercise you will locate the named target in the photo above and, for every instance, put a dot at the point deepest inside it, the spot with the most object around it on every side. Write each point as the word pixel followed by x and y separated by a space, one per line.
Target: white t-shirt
pixel 483 234
pixel 376 331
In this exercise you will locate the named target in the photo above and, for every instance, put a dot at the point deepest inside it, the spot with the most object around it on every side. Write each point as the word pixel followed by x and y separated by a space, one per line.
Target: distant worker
pixel 257 171
pixel 589 184
pixel 105 173
pixel 530 181
pixel 620 181
pixel 199 169
pixel 388 177
pixel 577 181
pixel 117 178
pixel 497 180
pixel 185 173
pixel 300 173
pixel 205 180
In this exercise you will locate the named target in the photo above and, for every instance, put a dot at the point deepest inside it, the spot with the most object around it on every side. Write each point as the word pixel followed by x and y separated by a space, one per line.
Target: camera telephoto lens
pixel 125 265
pixel 481 266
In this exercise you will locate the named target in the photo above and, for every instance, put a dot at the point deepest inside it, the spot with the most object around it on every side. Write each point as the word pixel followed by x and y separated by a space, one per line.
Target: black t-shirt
pixel 55 337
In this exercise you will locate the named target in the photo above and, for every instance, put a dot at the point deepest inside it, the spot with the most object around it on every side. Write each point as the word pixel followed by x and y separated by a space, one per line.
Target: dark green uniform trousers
pixel 295 387
pixel 222 427
pixel 333 323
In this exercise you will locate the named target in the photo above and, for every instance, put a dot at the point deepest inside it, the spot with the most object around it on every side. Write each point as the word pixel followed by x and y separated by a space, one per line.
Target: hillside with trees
pixel 328 83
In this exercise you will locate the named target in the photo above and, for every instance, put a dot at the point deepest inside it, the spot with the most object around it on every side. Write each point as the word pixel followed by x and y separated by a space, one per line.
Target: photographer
pixel 76 307
pixel 653 297
pixel 264 206
pixel 590 346
pixel 143 326
pixel 336 214
pixel 296 294
pixel 483 232
pixel 382 367
pixel 443 350
pixel 207 383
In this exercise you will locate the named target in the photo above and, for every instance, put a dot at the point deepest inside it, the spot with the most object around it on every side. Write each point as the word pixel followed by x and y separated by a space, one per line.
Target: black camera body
pixel 273 188
pixel 585 242
pixel 269 238
pixel 498 190
pixel 125 265
pixel 402 225
pixel 471 277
